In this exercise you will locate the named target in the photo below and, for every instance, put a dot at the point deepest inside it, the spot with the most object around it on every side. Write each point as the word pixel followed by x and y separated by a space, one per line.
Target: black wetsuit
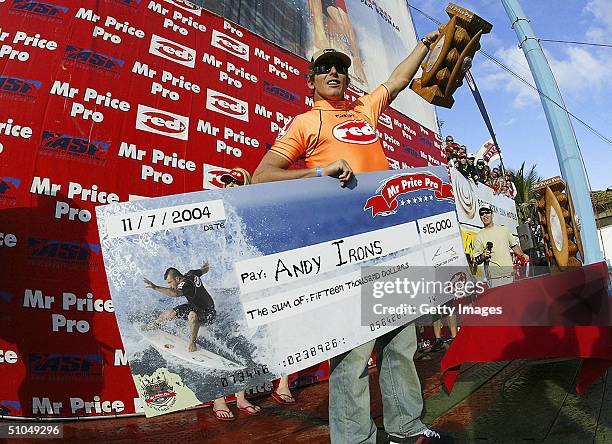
pixel 198 298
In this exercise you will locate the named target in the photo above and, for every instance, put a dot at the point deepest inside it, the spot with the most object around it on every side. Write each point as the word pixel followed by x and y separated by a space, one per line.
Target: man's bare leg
pixel 194 326
pixel 452 325
pixel 164 316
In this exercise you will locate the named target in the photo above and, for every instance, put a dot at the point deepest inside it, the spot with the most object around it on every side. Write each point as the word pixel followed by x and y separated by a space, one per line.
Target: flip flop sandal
pixel 283 398
pixel 251 410
pixel 223 418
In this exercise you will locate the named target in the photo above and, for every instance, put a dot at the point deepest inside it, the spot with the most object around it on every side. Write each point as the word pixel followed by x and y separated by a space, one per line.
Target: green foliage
pixel 525 196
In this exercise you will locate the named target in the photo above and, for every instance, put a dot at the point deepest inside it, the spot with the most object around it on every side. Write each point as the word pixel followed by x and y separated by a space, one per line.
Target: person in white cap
pixel 337 138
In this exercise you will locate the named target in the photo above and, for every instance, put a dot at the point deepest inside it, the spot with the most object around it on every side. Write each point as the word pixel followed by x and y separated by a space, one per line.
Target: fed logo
pixel 172 51
pixel 355 131
pixel 228 105
pixel 230 44
pixel 385 120
pixel 162 122
pixel 187 6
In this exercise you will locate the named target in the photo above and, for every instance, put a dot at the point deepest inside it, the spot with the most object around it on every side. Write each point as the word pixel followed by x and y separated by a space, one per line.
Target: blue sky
pixel 584 75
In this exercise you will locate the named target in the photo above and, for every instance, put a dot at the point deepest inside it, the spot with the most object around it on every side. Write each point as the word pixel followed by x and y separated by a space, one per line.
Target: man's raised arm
pixel 163 290
pixel 404 72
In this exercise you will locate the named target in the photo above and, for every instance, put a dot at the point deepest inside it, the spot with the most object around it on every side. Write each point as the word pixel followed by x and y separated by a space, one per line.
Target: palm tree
pixel 525 196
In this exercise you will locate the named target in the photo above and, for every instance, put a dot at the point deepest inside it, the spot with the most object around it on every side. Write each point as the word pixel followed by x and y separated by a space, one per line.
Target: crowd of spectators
pixel 478 170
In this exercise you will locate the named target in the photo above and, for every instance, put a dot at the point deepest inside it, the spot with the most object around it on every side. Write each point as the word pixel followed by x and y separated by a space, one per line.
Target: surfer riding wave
pixel 200 307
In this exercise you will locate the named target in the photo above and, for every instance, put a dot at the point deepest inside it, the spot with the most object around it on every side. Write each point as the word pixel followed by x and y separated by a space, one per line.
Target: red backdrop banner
pixel 103 100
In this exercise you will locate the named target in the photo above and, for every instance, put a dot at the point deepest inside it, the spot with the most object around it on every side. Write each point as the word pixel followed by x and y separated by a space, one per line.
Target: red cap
pixel 232 175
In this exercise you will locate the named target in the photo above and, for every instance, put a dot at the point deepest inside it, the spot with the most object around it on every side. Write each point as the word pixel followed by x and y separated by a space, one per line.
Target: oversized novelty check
pixel 284 272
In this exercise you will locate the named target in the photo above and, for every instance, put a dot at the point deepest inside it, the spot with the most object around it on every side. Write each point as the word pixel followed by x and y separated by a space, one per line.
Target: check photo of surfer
pixel 260 281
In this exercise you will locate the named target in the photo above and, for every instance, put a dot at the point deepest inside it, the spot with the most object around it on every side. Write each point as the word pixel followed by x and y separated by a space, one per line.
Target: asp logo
pixel 355 131
pixel 8 188
pixel 75 252
pixel 78 147
pixel 130 3
pixel 93 60
pixel 10 408
pixel 5 296
pixel 14 87
pixel 228 105
pixel 67 365
pixel 284 94
pixel 41 9
pixel 172 51
pixel 230 44
pixel 187 6
pixel 157 121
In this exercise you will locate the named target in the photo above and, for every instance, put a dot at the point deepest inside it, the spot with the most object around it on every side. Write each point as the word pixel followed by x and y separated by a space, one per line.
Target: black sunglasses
pixel 482 213
pixel 325 68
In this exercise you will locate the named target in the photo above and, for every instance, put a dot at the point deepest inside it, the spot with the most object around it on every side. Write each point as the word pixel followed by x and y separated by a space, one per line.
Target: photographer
pixel 492 247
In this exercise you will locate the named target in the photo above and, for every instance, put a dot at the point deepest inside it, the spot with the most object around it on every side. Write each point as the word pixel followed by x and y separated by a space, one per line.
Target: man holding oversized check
pixel 337 138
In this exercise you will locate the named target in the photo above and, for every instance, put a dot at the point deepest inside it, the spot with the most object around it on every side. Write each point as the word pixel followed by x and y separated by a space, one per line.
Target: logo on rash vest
pixel 230 44
pixel 355 131
pixel 162 122
pixel 172 51
pixel 228 105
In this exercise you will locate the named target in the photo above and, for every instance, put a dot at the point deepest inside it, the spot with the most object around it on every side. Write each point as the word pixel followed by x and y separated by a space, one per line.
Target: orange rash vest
pixel 337 130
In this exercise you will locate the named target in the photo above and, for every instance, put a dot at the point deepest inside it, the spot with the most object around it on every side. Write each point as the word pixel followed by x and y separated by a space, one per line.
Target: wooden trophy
pixel 559 229
pixel 450 56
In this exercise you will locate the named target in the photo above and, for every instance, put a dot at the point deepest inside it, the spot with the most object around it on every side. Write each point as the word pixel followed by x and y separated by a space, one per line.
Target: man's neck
pixel 324 104
pixel 491 225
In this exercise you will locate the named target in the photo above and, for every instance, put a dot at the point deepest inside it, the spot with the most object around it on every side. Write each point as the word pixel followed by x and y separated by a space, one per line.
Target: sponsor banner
pixel 470 196
pixel 266 303
pixel 489 152
pixel 108 100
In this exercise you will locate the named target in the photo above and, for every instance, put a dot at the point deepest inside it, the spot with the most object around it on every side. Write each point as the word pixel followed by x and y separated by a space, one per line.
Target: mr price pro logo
pixel 40 9
pixel 355 131
pixel 172 51
pixel 8 188
pixel 62 251
pixel 230 44
pixel 64 366
pixel 73 147
pixel 93 60
pixel 16 88
pixel 162 122
pixel 228 105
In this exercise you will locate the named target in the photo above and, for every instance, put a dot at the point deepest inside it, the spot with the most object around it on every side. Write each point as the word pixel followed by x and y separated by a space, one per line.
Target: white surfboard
pixel 178 347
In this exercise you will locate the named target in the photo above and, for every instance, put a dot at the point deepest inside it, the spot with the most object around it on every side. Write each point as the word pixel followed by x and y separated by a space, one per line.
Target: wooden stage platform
pixel 510 402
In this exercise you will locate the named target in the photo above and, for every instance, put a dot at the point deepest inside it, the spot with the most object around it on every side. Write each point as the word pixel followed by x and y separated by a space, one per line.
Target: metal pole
pixel 564 139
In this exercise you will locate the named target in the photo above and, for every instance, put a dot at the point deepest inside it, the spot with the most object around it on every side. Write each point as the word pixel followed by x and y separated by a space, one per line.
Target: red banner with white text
pixel 101 101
